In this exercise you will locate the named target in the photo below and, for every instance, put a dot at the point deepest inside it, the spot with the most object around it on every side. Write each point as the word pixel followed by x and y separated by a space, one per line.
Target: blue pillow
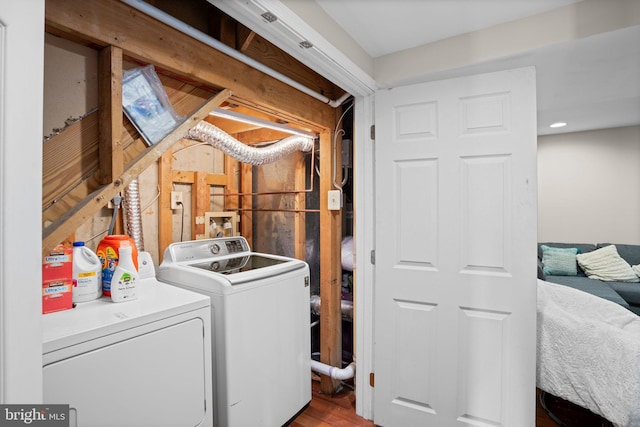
pixel 559 261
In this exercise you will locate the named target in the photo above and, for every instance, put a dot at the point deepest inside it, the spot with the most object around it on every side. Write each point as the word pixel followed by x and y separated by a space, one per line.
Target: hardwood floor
pixel 339 411
pixel 329 411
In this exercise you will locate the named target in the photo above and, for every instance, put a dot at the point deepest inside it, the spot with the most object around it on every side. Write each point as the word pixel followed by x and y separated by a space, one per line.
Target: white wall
pixel 575 21
pixel 21 62
pixel 589 186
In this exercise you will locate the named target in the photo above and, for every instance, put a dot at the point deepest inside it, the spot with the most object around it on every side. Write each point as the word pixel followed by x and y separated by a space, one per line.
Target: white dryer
pixel 261 327
pixel 139 363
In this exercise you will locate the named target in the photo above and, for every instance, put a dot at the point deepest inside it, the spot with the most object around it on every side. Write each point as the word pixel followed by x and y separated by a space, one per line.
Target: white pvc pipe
pixel 333 372
pixel 175 23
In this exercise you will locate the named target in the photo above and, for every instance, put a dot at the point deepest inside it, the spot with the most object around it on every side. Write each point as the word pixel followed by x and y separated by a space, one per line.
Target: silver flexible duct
pixel 206 132
pixel 133 213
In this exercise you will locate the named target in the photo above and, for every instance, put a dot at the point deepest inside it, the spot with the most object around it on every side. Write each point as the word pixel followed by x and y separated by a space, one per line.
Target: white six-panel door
pixel 455 262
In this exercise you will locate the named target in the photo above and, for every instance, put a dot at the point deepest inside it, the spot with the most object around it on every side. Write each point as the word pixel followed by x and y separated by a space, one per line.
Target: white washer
pixel 138 363
pixel 261 327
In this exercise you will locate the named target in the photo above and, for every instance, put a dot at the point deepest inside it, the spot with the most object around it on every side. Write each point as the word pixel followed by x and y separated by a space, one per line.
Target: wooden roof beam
pixel 111 22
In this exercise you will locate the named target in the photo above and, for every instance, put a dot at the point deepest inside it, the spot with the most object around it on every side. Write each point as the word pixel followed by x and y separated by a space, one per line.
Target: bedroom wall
pixel 589 186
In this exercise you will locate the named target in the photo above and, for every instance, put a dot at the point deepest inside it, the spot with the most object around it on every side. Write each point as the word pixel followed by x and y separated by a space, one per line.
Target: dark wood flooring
pixel 339 411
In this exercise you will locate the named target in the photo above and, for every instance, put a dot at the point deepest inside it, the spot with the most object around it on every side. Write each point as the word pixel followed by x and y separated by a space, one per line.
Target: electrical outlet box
pixel 334 200
pixel 176 200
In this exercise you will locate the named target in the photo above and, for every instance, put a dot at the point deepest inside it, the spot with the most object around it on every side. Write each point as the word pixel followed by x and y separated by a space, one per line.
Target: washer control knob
pixel 215 249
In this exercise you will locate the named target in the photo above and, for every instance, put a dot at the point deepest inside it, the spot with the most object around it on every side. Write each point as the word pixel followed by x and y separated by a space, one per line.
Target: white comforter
pixel 589 352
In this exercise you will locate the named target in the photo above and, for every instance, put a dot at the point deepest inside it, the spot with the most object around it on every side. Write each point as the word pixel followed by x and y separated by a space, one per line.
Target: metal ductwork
pixel 206 132
pixel 133 213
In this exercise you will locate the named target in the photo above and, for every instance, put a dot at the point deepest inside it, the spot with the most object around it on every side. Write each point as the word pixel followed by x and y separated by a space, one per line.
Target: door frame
pixel 364 238
pixel 21 99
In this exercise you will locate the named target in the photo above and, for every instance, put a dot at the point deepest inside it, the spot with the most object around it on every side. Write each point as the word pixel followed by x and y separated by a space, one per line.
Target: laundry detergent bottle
pixel 125 277
pixel 86 273
pixel 108 251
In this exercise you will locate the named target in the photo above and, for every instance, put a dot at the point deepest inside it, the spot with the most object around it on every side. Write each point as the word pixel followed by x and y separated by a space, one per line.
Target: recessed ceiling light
pixel 557 125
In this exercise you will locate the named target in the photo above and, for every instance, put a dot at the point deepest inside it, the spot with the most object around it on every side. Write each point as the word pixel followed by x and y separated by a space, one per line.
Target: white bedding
pixel 588 352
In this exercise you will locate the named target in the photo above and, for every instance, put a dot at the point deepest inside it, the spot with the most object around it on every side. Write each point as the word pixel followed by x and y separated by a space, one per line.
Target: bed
pixel 588 352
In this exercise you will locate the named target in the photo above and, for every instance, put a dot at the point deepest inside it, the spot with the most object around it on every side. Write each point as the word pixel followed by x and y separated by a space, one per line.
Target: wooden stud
pixel 245 184
pixel 246 202
pixel 330 277
pixel 232 171
pixel 110 148
pixel 165 214
pixel 300 201
pixel 200 202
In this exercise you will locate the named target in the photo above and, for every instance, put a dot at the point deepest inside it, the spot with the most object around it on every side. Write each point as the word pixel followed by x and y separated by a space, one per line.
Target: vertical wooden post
pixel 299 226
pixel 330 285
pixel 232 171
pixel 165 215
pixel 200 202
pixel 246 202
pixel 111 164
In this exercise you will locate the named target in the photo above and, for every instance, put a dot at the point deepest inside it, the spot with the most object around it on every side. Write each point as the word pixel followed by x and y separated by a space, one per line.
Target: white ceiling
pixel 590 83
pixel 381 27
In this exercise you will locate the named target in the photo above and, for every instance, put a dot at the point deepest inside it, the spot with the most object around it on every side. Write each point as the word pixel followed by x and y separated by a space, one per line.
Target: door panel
pixel 455 252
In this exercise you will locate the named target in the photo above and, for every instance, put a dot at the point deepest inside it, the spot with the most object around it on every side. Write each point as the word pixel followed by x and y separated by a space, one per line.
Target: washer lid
pixel 239 264
pixel 250 267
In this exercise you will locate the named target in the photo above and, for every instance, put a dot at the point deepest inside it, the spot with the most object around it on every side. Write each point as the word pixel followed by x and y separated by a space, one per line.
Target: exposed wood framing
pixel 111 22
pixel 232 169
pixel 200 202
pixel 246 202
pixel 67 224
pixel 201 184
pixel 244 38
pixel 165 215
pixel 71 160
pixel 299 227
pixel 110 112
pixel 330 270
